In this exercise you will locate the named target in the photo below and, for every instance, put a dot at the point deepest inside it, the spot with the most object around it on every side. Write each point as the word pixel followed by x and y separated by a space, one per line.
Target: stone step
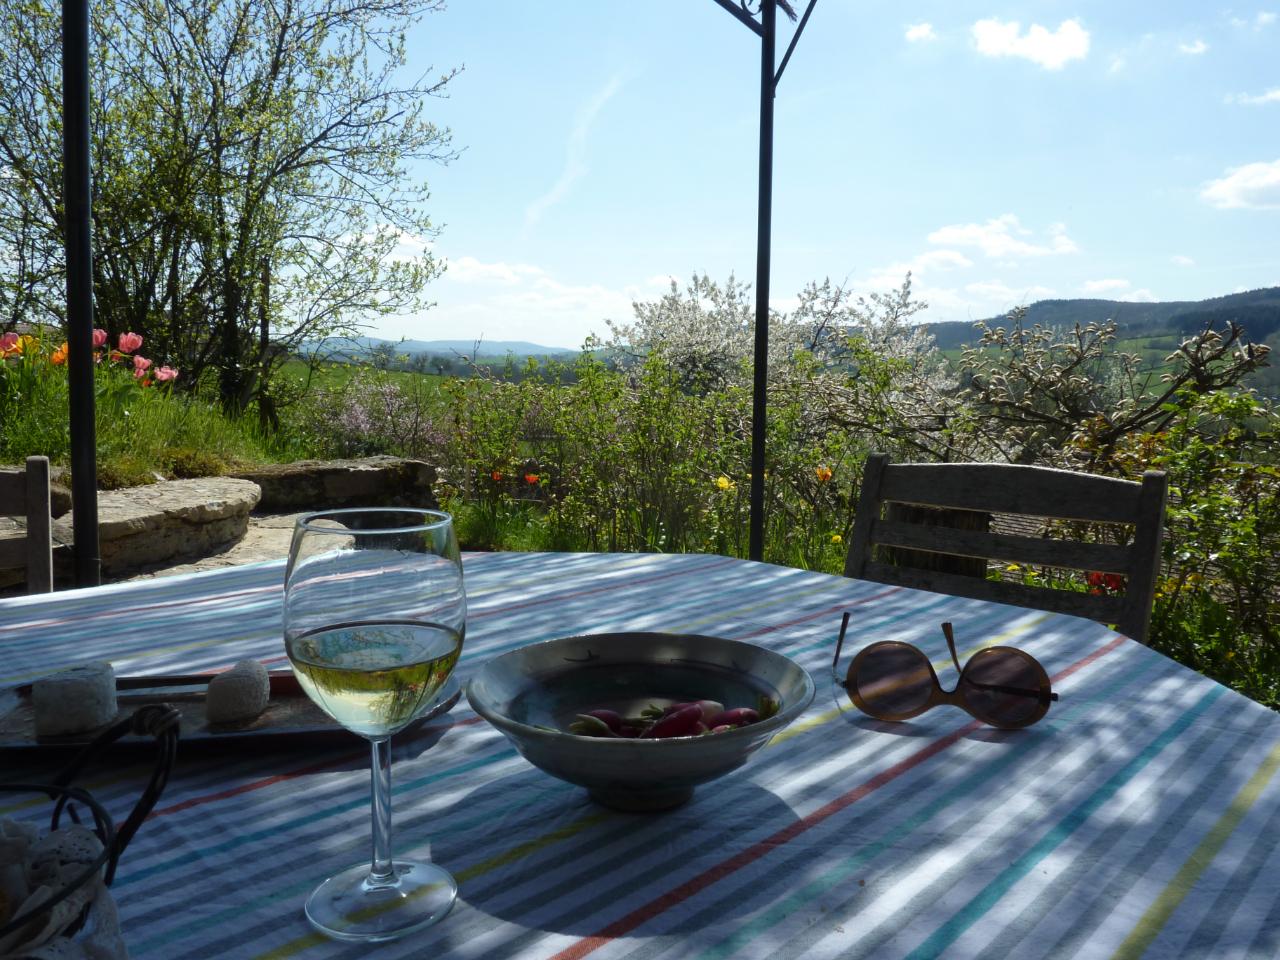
pixel 167 521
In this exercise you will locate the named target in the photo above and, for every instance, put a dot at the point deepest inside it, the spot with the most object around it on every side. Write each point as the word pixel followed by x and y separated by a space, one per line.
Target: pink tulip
pixel 166 373
pixel 99 337
pixel 130 342
pixel 140 365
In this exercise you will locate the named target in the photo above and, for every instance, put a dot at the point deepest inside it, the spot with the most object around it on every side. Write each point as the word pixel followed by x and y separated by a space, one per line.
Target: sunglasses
pixel 890 680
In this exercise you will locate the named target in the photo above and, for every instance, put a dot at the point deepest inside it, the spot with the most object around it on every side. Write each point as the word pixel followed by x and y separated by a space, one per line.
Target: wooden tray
pixel 290 719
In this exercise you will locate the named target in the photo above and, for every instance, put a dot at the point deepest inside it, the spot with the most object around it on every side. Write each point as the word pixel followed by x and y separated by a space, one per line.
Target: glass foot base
pixel 350 906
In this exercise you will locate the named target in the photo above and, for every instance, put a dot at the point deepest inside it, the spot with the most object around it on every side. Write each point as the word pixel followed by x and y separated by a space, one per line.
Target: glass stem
pixel 382 869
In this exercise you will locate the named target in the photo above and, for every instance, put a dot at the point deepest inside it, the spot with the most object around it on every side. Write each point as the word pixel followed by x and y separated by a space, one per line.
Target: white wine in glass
pixel 374 618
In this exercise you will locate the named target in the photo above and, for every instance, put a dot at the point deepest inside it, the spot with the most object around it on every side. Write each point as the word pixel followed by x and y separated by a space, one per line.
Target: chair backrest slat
pixel 13 552
pixel 1001 488
pixel 1025 491
pixel 13 493
pixel 1107 609
pixel 1069 554
pixel 30 488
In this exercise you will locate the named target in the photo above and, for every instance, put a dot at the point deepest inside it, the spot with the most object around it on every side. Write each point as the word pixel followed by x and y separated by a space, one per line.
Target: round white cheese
pixel 239 694
pixel 74 700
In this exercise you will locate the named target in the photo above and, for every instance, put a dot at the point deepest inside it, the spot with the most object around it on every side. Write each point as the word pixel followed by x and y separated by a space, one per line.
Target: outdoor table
pixel 1141 817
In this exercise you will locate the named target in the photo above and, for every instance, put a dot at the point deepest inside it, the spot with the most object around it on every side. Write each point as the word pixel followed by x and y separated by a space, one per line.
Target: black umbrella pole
pixel 761 371
pixel 79 250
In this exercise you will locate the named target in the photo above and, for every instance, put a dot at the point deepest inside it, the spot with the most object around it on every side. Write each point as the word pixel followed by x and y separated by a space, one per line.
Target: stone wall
pixel 326 484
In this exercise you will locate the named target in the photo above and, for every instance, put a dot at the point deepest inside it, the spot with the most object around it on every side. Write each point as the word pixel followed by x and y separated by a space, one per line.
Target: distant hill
pixel 1257 311
pixel 494 348
pixel 352 347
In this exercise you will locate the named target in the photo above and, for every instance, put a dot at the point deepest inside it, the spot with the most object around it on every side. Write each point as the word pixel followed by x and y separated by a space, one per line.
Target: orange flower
pixel 497 475
pixel 823 473
pixel 59 356
pixel 531 479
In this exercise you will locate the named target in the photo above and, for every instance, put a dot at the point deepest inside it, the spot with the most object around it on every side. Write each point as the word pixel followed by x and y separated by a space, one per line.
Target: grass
pixel 142 435
pixel 150 437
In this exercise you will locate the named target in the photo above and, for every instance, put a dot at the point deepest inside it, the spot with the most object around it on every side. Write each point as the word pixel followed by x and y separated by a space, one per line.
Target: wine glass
pixel 374 616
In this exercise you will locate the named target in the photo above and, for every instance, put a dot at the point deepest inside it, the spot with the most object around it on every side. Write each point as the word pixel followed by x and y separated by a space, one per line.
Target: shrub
pixel 372 412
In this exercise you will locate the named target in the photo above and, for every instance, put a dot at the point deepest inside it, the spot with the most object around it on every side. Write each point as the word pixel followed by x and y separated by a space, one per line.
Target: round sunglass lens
pixel 1005 688
pixel 893 680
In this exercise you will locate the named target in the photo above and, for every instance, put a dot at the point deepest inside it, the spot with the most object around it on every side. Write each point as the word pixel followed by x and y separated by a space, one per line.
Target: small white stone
pixel 74 700
pixel 239 694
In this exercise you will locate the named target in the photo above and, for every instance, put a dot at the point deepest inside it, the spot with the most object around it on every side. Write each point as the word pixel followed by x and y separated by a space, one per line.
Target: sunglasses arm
pixel 1016 691
pixel 835 662
pixel 998 688
pixel 951 645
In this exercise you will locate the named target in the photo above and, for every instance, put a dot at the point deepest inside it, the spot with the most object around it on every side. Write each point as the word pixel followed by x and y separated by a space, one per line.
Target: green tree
pixel 251 175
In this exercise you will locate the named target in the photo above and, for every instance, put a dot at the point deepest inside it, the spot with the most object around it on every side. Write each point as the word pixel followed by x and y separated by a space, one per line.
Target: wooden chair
pixel 26 493
pixel 1021 491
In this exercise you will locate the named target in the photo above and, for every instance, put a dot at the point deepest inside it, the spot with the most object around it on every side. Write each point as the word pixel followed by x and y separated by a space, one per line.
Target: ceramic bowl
pixel 532 694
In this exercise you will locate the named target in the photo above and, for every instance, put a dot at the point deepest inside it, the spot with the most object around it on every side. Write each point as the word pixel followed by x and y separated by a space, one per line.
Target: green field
pixel 335 375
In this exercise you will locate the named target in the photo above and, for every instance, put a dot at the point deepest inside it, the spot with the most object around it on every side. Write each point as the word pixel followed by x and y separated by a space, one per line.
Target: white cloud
pixel 494 300
pixel 408 247
pixel 890 277
pixel 471 270
pixel 575 163
pixel 1002 237
pixel 1182 261
pixel 1138 296
pixel 1253 186
pixel 1261 20
pixel 994 291
pixel 920 33
pixel 1102 286
pixel 940 259
pixel 1118 63
pixel 1270 96
pixel 1195 48
pixel 1051 50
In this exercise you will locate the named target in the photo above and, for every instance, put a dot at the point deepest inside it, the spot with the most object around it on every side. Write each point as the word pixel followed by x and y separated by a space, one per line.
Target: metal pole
pixel 769 12
pixel 79 251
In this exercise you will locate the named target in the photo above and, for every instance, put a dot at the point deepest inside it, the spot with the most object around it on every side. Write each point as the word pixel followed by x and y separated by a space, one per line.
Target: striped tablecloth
pixel 1140 818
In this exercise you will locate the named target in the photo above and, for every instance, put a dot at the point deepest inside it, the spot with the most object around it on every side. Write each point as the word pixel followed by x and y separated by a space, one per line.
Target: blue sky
pixel 1003 153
